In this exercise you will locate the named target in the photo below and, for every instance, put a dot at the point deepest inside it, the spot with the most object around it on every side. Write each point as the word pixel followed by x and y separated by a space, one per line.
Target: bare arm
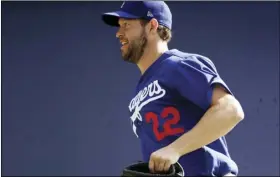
pixel 223 115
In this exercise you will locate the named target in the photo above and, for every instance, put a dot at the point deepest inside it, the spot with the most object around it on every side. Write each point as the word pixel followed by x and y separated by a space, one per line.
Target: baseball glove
pixel 142 169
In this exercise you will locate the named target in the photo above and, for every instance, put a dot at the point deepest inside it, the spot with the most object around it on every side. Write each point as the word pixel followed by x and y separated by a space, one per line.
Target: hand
pixel 162 159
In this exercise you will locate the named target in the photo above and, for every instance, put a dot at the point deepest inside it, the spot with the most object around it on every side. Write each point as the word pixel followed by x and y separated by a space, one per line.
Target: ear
pixel 153 26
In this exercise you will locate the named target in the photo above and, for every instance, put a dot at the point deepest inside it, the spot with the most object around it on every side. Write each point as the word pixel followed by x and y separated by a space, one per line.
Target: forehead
pixel 131 21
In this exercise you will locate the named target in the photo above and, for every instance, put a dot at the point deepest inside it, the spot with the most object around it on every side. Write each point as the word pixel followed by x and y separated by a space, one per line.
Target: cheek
pixel 134 34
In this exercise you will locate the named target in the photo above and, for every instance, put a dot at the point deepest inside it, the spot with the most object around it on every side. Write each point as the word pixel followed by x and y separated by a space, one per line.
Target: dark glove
pixel 142 169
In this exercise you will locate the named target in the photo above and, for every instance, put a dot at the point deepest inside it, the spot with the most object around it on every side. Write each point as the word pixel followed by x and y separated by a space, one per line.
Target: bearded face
pixel 133 40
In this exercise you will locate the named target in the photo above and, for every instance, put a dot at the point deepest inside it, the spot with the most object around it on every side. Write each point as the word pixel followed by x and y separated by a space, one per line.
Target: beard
pixel 135 49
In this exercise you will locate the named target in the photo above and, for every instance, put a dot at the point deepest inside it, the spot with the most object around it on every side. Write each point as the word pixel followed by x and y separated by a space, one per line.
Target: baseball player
pixel 182 109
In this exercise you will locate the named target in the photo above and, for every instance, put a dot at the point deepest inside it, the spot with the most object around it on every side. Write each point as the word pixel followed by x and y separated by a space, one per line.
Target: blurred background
pixel 66 90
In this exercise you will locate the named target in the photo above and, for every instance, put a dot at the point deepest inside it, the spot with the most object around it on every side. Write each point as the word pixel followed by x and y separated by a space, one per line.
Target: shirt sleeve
pixel 195 78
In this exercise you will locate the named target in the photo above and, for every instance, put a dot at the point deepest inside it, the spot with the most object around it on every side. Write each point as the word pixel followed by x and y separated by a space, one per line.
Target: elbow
pixel 233 109
pixel 239 116
pixel 237 111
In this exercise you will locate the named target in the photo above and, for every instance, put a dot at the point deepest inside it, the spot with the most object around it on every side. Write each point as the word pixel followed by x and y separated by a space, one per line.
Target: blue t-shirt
pixel 171 97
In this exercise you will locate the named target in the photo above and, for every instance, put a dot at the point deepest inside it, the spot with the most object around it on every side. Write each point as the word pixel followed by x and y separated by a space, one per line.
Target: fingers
pixel 167 166
pixel 158 165
pixel 152 165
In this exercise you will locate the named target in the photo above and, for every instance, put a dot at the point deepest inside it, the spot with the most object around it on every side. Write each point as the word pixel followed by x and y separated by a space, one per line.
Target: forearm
pixel 216 122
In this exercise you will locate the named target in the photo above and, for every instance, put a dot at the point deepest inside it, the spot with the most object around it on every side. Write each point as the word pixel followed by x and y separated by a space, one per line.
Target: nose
pixel 119 33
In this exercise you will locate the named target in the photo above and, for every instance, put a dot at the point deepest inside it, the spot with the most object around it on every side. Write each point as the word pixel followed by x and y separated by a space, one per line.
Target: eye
pixel 125 24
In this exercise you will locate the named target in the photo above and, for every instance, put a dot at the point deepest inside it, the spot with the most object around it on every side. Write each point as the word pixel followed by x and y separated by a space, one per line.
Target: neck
pixel 150 55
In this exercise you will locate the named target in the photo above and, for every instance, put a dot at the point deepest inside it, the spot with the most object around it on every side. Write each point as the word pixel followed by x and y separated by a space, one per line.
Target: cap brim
pixel 112 18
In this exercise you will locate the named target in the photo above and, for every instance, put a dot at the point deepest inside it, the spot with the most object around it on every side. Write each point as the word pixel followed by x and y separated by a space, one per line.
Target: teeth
pixel 123 43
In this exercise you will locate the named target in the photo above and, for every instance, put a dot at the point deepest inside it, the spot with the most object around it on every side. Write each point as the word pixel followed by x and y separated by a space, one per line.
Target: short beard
pixel 136 49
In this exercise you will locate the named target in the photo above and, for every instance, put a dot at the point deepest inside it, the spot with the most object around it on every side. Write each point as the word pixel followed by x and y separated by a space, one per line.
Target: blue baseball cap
pixel 141 10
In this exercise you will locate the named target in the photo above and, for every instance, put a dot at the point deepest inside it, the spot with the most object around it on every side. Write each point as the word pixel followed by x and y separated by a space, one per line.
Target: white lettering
pixel 154 91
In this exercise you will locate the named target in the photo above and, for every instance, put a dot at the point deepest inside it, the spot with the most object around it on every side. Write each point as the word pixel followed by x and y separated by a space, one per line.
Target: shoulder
pixel 191 61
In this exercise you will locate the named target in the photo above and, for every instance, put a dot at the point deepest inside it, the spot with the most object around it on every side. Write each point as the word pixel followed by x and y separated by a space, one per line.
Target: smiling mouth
pixel 123 44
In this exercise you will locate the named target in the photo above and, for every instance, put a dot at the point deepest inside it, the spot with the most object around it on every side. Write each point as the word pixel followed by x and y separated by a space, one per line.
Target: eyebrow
pixel 129 20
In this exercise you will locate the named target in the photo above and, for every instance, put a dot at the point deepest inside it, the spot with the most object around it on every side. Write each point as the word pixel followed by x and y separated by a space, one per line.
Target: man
pixel 182 109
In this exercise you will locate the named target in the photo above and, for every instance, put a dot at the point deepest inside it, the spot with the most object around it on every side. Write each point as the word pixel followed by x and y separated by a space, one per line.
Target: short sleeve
pixel 195 78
